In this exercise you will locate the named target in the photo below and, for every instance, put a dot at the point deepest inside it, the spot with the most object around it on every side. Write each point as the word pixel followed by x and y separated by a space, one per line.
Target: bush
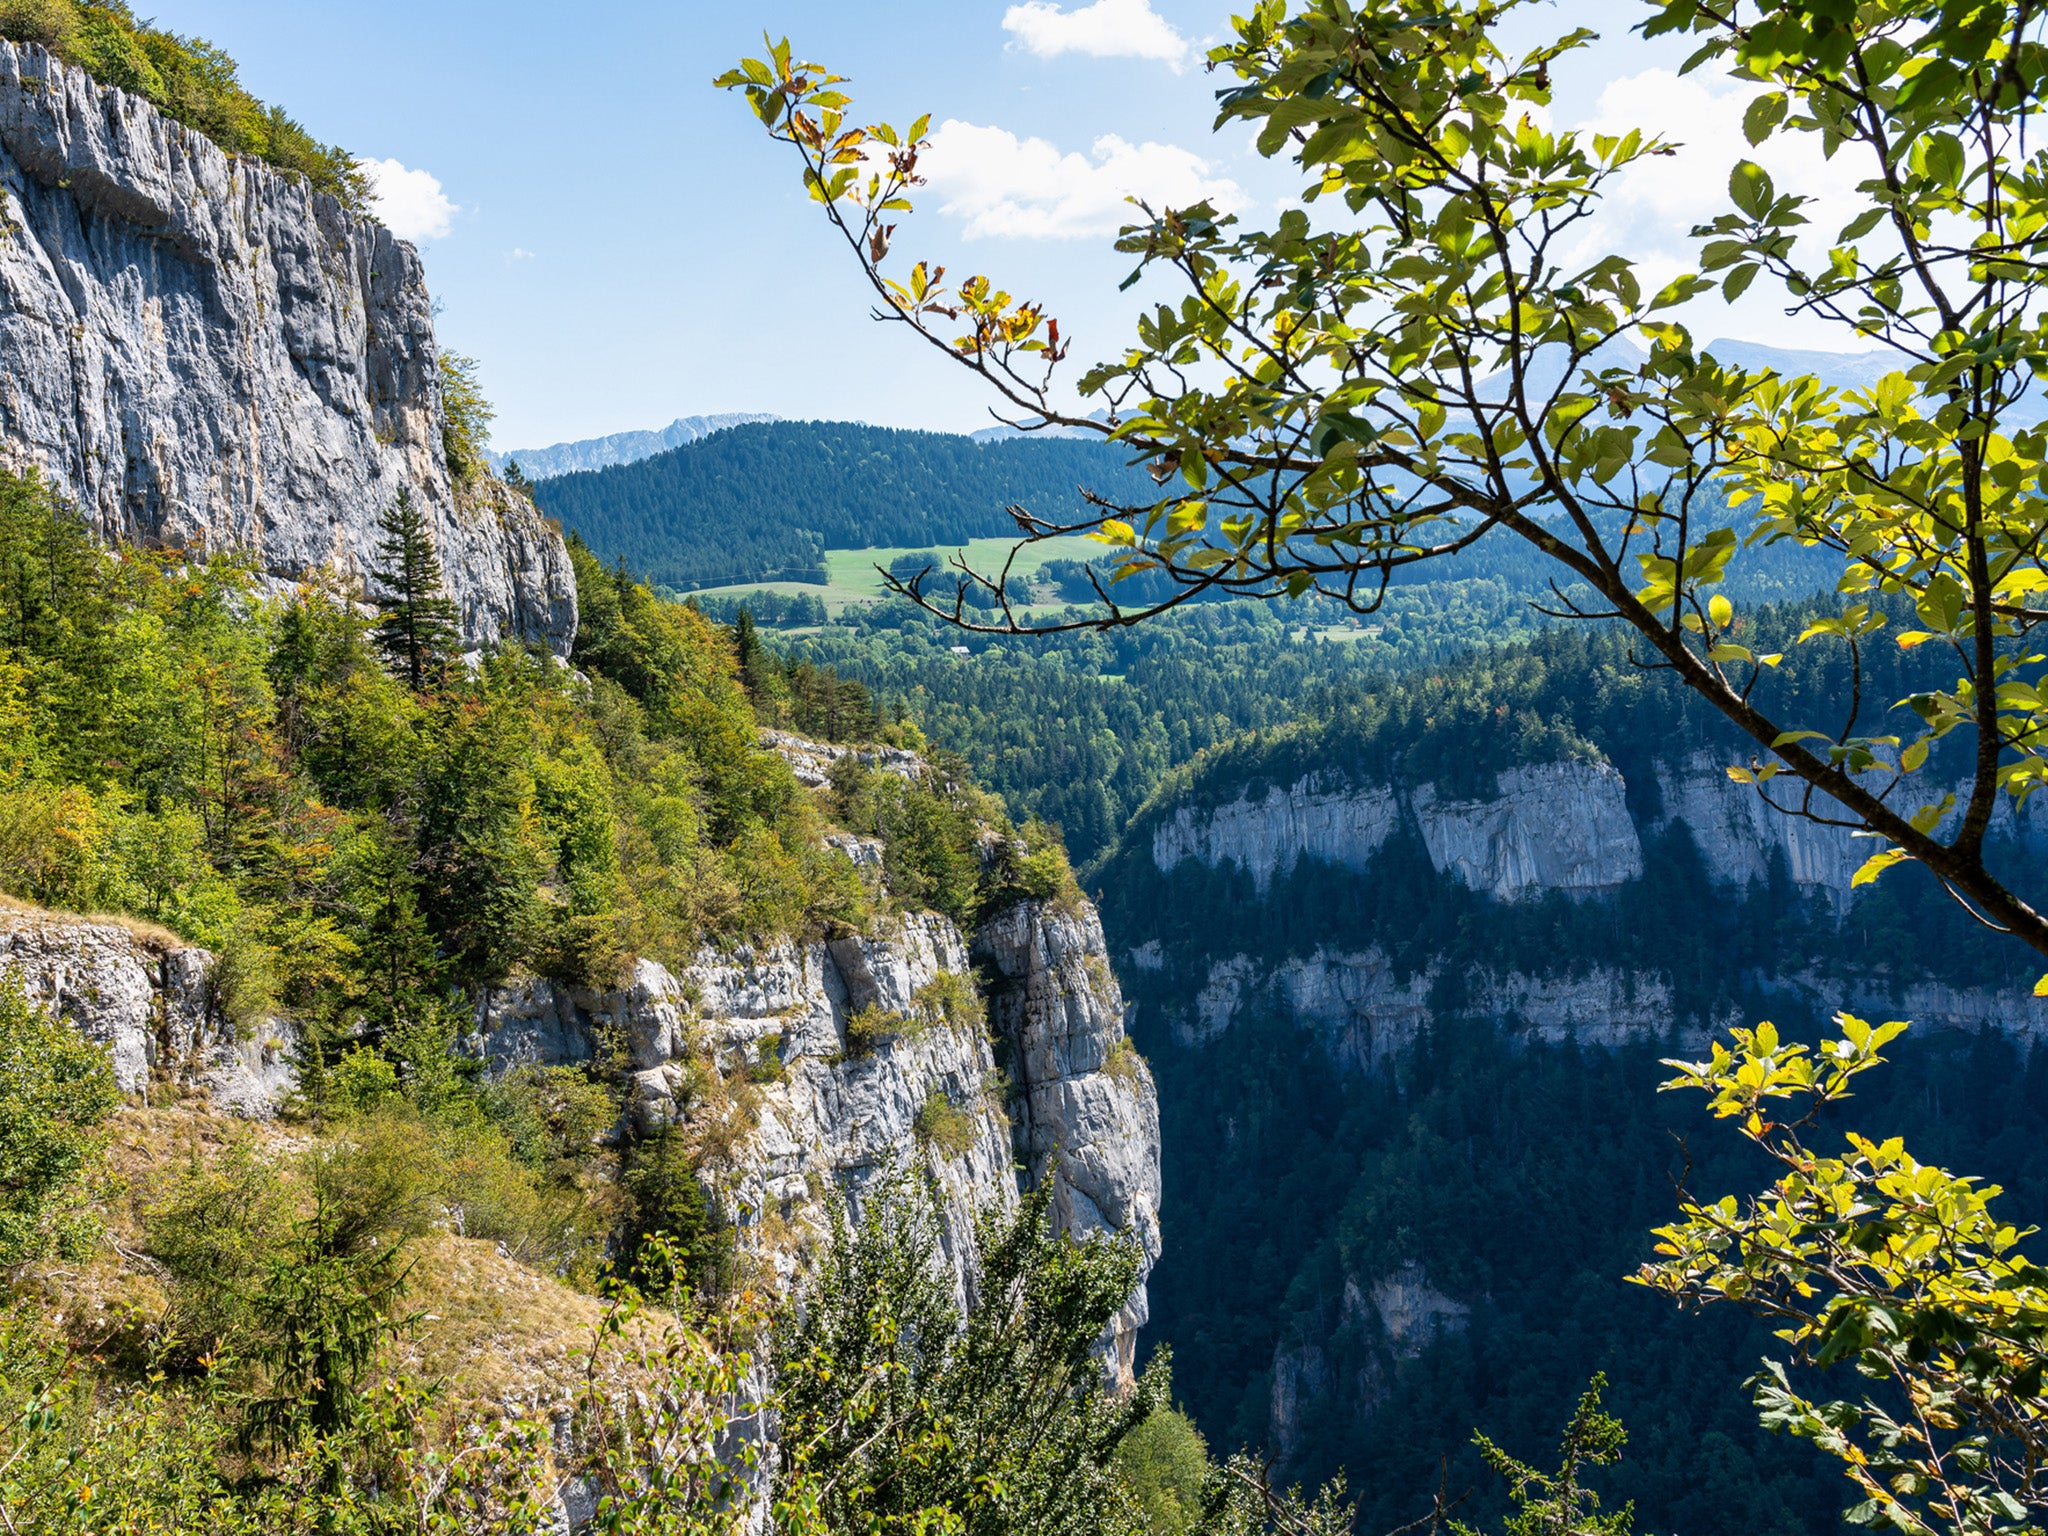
pixel 1164 1463
pixel 873 1026
pixel 951 998
pixel 1123 1063
pixel 216 1231
pixel 468 416
pixel 55 1090
pixel 944 1126
pixel 669 1201
pixel 550 1115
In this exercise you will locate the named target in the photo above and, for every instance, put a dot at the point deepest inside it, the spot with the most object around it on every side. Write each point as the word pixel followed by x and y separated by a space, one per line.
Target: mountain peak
pixel 620 447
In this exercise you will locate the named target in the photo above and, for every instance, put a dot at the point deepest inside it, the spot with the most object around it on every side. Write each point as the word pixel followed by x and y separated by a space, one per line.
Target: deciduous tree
pixel 1343 396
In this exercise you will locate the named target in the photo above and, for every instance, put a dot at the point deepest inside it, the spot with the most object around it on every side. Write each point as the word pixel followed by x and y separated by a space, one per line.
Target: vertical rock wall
pixel 1050 1089
pixel 202 352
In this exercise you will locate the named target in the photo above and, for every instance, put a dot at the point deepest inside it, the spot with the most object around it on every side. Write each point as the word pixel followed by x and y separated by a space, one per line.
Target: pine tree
pixel 418 633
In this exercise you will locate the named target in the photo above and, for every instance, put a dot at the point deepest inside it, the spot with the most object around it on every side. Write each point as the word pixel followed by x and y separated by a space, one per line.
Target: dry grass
pixel 155 935
pixel 493 1331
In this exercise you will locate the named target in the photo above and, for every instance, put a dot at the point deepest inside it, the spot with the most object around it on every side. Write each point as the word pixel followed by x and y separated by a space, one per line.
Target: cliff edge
pixel 202 352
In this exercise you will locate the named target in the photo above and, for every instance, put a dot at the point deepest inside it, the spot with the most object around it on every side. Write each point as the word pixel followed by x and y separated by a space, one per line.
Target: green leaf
pixel 1763 115
pixel 1749 187
pixel 1721 611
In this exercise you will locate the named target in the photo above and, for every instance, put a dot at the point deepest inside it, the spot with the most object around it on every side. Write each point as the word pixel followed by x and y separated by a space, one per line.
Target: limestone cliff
pixel 202 352
pixel 1560 826
pixel 816 1066
pixel 145 995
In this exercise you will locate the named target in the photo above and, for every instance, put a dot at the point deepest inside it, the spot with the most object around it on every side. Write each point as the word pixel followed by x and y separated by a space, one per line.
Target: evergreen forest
pixel 763 501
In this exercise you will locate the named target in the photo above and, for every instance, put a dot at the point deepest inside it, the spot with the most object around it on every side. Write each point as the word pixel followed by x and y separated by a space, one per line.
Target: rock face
pixel 831 1060
pixel 812 761
pixel 1368 1012
pixel 146 998
pixel 203 353
pixel 1562 826
pixel 1088 1112
pixel 1551 826
pixel 1337 825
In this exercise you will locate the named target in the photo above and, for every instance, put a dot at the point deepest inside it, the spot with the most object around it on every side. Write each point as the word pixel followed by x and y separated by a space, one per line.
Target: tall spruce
pixel 418 633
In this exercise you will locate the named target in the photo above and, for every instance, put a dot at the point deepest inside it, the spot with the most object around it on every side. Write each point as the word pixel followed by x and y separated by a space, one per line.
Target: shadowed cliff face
pixel 203 353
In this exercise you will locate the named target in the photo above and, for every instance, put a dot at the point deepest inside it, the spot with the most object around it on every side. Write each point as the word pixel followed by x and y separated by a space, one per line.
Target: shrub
pixel 360 1082
pixel 870 1027
pixel 215 1231
pixel 951 998
pixel 55 1090
pixel 669 1201
pixel 1123 1063
pixel 1164 1463
pixel 56 847
pixel 550 1115
pixel 944 1126
pixel 468 416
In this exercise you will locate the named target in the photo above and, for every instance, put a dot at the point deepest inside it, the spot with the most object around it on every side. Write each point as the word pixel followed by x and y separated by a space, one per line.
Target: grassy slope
pixel 856 577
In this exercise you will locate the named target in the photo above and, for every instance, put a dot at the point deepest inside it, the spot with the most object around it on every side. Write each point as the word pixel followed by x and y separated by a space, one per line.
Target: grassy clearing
pixel 854 576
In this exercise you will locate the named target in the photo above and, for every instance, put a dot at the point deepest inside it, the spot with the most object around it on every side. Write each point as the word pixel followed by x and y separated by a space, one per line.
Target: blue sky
pixel 619 244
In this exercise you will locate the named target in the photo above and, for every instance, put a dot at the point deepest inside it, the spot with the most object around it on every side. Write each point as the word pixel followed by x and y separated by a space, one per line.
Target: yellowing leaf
pixel 1876 865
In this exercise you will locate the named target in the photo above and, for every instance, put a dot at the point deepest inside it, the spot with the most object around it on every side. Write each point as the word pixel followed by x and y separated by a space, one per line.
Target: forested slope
pixel 1405 971
pixel 763 501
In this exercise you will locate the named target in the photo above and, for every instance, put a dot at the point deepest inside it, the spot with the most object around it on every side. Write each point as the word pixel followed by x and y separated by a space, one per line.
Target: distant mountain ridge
pixel 620 447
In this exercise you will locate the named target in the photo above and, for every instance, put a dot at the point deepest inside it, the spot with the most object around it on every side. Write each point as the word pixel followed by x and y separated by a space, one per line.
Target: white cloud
pixel 1027 189
pixel 1108 29
pixel 1652 209
pixel 519 253
pixel 411 203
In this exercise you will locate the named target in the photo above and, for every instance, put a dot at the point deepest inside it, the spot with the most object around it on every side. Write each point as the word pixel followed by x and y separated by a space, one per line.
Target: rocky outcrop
pixel 1367 1012
pixel 1547 827
pixel 203 353
pixel 144 995
pixel 1330 822
pixel 816 1067
pixel 1088 1113
pixel 1413 1314
pixel 813 761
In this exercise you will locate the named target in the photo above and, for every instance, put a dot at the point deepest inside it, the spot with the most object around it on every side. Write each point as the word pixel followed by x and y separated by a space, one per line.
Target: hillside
pixel 455 1036
pixel 764 501
pixel 1406 970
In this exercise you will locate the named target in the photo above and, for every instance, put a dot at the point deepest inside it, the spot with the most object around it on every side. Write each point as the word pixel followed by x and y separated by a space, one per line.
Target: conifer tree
pixel 418 633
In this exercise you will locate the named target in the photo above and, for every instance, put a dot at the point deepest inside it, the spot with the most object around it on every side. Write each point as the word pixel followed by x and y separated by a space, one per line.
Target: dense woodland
pixel 763 501
pixel 1523 1178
